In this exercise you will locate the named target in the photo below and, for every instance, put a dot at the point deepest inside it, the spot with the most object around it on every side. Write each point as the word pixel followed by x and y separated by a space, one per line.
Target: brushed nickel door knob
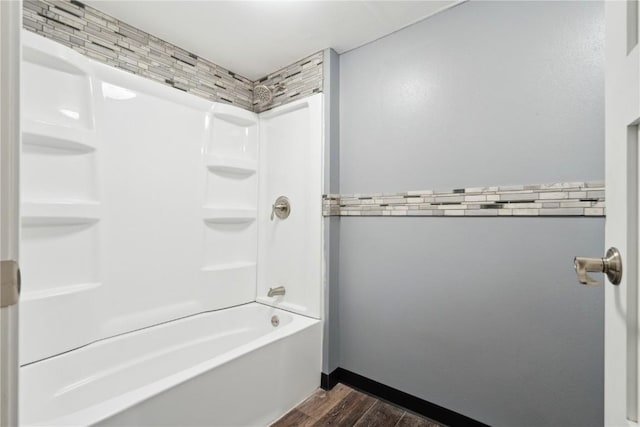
pixel 611 265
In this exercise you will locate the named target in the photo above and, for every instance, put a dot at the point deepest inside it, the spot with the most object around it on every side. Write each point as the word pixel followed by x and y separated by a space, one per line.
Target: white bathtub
pixel 223 368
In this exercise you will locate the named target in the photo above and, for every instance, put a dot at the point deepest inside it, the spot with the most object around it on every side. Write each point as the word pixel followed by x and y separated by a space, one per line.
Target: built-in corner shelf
pixel 240 273
pixel 59 213
pixel 240 265
pixel 233 115
pixel 228 216
pixel 56 56
pixel 231 165
pixel 58 291
pixel 52 136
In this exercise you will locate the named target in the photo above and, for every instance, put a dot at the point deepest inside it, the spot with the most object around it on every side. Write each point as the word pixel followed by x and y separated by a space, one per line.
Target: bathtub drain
pixel 275 321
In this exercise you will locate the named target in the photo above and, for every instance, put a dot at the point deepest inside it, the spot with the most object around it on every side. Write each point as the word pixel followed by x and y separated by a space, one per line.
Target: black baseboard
pixel 327 382
pixel 397 397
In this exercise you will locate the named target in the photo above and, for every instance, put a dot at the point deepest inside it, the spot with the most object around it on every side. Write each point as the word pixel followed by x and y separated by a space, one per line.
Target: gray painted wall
pixel 486 93
pixel 480 315
pixel 483 316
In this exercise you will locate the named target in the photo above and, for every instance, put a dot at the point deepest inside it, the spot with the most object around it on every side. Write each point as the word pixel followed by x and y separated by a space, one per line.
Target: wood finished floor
pixel 343 406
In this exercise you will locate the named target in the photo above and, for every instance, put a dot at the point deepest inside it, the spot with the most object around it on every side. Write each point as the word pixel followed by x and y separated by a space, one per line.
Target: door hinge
pixel 9 283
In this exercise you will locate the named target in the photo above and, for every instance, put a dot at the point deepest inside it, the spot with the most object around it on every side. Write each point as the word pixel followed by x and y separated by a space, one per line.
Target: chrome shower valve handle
pixel 281 208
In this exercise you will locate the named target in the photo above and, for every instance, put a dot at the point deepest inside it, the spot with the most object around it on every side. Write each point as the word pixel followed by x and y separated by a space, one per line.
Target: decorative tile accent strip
pixel 113 42
pixel 559 199
pixel 298 80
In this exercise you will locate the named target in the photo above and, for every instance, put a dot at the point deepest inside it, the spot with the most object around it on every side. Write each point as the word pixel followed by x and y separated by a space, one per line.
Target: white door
pixel 622 116
pixel 10 23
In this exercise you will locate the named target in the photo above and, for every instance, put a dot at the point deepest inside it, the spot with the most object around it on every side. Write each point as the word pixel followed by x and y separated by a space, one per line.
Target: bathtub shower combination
pixel 163 284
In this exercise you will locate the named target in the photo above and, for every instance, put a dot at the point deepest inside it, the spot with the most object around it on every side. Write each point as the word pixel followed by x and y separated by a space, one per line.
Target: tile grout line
pixel 328 409
pixel 367 411
pixel 401 417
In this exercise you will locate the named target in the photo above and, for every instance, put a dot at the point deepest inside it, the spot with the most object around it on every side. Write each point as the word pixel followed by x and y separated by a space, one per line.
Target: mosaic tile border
pixel 115 43
pixel 298 80
pixel 558 199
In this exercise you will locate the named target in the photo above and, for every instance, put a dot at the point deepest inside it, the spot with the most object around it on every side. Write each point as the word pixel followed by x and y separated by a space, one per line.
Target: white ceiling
pixel 255 38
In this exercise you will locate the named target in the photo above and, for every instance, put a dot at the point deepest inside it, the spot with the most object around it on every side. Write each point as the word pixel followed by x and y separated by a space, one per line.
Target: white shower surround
pixel 140 206
pixel 290 251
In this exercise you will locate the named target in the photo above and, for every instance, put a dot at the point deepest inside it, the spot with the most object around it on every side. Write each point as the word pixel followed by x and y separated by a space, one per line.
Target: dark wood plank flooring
pixel 345 407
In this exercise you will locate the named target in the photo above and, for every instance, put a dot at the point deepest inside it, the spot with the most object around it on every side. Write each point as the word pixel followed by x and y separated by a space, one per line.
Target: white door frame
pixel 10 25
pixel 622 116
